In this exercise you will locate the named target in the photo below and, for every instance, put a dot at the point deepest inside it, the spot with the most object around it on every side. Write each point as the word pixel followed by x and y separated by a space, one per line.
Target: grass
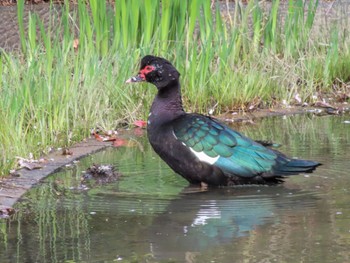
pixel 53 93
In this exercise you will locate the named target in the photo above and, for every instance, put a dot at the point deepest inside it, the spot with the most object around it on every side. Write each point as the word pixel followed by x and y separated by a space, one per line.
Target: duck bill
pixel 137 78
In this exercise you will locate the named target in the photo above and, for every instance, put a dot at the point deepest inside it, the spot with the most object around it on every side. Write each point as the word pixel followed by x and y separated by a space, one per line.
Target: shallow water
pixel 151 215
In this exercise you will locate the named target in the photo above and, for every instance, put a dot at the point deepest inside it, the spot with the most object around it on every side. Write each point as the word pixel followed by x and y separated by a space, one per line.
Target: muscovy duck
pixel 200 148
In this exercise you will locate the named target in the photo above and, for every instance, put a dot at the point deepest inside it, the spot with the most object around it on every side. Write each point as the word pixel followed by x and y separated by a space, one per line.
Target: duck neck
pixel 167 105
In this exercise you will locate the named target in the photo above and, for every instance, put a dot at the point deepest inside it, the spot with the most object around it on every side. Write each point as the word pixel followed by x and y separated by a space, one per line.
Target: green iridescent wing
pixel 235 153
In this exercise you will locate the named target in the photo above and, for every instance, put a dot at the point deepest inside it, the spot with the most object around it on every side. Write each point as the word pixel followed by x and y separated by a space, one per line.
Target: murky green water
pixel 150 215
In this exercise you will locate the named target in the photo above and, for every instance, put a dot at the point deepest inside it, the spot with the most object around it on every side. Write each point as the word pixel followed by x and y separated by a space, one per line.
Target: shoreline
pixel 13 187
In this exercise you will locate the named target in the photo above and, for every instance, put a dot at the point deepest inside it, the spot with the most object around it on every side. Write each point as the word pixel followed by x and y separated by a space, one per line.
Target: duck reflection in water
pixel 204 220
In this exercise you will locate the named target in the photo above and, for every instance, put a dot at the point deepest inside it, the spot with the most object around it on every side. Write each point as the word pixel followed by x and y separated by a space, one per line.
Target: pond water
pixel 151 214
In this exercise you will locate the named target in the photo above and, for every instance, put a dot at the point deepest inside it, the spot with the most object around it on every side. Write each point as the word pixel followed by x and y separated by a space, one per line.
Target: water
pixel 151 215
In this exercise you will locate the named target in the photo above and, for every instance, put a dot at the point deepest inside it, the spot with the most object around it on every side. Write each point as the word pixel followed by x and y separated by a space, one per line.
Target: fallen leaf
pixel 98 137
pixel 254 104
pixel 66 151
pixel 120 142
pixel 30 163
pixel 108 138
pixel 297 97
pixel 111 133
pixel 140 123
pixel 111 138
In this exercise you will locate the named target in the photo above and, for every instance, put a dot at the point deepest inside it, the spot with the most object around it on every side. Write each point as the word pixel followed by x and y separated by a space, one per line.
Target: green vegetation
pixel 69 77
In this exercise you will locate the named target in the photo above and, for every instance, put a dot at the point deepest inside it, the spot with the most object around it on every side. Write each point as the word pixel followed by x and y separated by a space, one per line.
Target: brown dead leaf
pixel 255 104
pixel 108 138
pixel 30 163
pixel 67 151
pixel 98 137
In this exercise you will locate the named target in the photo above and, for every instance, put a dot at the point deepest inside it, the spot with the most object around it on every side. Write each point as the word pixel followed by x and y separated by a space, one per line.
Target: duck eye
pixel 147 69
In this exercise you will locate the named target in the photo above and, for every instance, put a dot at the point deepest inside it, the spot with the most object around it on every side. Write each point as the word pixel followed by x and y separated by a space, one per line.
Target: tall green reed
pixel 297 26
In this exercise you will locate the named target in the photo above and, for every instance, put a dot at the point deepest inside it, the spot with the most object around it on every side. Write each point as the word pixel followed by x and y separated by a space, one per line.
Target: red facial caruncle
pixel 143 72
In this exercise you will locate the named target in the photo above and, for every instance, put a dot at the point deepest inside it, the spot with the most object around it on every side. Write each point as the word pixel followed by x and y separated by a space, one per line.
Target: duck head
pixel 156 70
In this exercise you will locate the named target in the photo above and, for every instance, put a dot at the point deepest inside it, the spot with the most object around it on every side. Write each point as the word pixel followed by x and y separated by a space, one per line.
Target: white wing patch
pixel 203 157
